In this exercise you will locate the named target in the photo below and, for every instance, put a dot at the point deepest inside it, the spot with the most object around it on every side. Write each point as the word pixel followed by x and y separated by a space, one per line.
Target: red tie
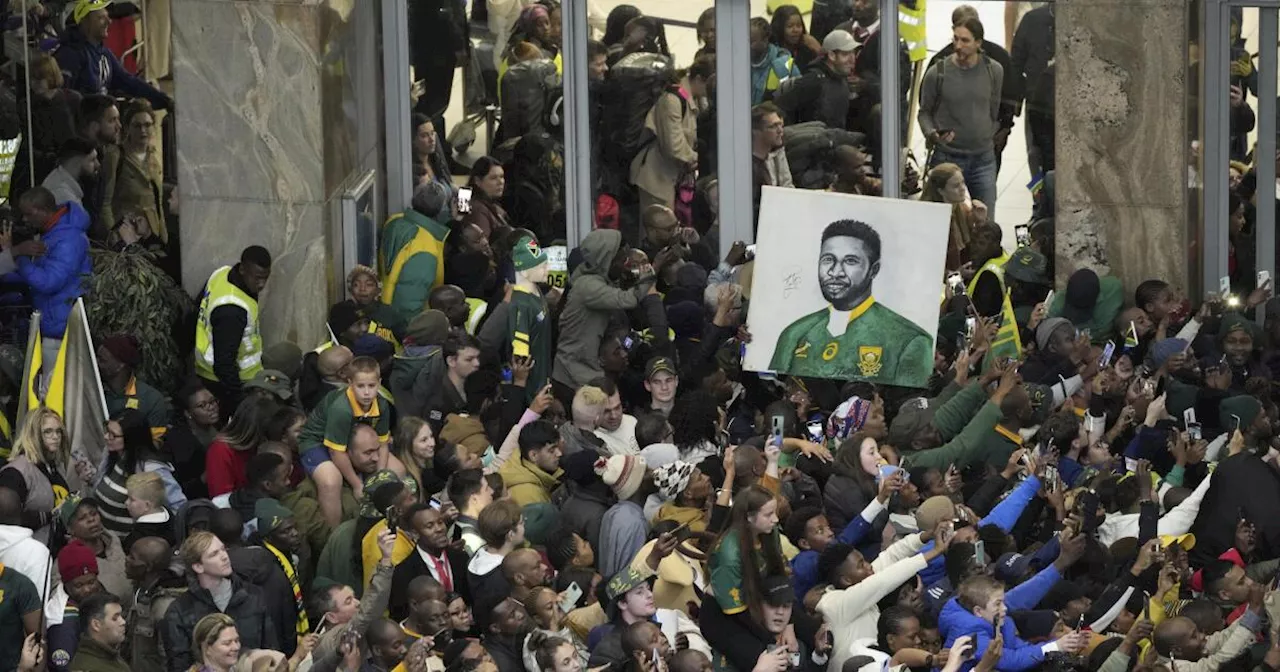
pixel 444 572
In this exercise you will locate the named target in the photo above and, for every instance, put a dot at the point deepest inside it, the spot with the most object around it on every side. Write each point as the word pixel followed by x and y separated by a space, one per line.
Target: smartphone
pixel 464 199
pixel 1108 351
pixel 1051 478
pixel 1080 623
pixel 980 553
pixel 434 503
pixel 815 432
pixel 1233 301
pixel 970 328
pixel 1089 511
pixel 1189 417
pixel 1022 233
pixel 571 596
pixel 1263 277
pixel 1148 522
pixel 1146 606
pixel 1224 285
pixel 779 425
pixel 1236 422
pixel 956 283
pixel 1149 387
pixel 392 515
pixel 507 375
pixel 1048 299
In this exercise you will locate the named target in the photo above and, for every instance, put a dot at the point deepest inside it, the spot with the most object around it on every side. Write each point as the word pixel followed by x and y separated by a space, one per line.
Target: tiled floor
pixel 1013 201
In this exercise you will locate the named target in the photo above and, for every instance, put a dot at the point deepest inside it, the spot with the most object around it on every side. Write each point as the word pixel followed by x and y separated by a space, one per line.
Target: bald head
pixel 334 360
pixel 1172 637
pixel 450 300
pixel 425 588
pixel 10 507
pixel 154 552
pixel 523 568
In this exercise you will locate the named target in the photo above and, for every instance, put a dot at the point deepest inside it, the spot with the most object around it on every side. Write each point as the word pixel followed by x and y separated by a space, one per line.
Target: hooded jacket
pixel 247 607
pixel 56 279
pixel 413 251
pixel 258 567
pixel 20 552
pixel 92 69
pixel 591 301
pixel 466 431
pixel 425 362
pixel 582 508
pixel 955 621
pixel 527 483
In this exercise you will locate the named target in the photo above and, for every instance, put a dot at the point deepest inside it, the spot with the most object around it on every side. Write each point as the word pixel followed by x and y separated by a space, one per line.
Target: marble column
pixel 277 107
pixel 1122 139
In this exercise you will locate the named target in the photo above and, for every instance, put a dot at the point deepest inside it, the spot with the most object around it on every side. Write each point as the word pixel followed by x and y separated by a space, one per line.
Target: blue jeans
pixel 979 174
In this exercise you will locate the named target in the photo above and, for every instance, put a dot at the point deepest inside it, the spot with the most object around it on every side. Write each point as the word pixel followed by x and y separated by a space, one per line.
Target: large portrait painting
pixel 847 287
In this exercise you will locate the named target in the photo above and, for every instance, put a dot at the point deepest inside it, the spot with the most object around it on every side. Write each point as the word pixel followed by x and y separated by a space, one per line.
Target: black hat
pixel 1082 294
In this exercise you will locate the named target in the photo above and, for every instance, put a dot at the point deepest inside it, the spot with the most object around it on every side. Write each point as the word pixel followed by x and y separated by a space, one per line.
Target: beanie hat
pixel 672 479
pixel 692 276
pixel 913 416
pixel 686 319
pixel 342 315
pixel 1161 351
pixel 359 270
pixel 285 357
pixel 580 467
pixel 1237 322
pixel 623 473
pixel 1045 330
pixel 527 254
pixel 1081 296
pixel 124 348
pixel 541 520
pixel 270 514
pixel 76 559
pixel 933 511
pixel 430 327
pixel 372 345
pixel 1242 406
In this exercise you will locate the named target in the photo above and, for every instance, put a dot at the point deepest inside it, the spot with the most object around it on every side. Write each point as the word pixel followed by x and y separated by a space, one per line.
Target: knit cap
pixel 76 559
pixel 430 327
pixel 672 479
pixel 527 254
pixel 623 473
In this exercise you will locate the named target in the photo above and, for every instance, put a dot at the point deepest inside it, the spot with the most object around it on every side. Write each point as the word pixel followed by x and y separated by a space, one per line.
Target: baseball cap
pixel 84 7
pixel 658 365
pixel 839 40
pixel 274 382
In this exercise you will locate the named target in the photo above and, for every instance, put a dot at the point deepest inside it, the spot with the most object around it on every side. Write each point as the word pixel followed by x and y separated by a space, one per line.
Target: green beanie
pixel 527 254
pixel 1242 406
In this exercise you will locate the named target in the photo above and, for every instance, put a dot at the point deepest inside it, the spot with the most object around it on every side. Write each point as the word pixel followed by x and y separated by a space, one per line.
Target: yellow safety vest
pixel 476 309
pixel 1008 341
pixel 911 29
pixel 221 292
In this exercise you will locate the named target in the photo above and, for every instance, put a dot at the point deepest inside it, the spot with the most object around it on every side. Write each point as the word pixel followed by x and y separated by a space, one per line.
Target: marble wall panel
pixel 1121 134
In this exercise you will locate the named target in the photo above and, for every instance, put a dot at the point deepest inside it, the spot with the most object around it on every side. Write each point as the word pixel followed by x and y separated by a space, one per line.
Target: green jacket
pixel 94 657
pixel 307 516
pixel 1101 324
pixel 336 559
pixel 970 446
pixel 878 345
pixel 956 408
pixel 412 252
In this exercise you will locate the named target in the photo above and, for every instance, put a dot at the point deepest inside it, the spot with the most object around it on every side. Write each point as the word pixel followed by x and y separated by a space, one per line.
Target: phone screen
pixel 464 199
pixel 1022 233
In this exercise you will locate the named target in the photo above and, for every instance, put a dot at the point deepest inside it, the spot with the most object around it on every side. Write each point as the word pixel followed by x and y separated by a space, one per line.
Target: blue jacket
pixel 56 279
pixel 777 62
pixel 1004 516
pixel 92 69
pixel 955 622
pixel 805 565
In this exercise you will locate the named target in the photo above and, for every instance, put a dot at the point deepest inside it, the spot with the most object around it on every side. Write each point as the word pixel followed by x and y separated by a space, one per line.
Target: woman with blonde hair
pixel 216 644
pixel 412 459
pixel 35 470
pixel 944 183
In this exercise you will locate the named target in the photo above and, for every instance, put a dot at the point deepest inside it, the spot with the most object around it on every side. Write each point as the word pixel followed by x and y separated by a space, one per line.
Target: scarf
pixel 304 627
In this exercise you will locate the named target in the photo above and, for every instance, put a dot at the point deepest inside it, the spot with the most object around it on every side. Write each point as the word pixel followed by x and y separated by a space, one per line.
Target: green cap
pixel 270 514
pixel 1041 401
pixel 1242 406
pixel 367 508
pixel 541 520
pixel 70 506
pixel 1027 265
pixel 527 254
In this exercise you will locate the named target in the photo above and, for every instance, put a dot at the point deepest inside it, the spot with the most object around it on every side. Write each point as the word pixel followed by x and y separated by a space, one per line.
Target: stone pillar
pixel 277 106
pixel 1122 141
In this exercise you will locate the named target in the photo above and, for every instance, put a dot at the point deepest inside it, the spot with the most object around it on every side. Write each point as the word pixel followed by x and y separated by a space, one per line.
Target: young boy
pixel 323 442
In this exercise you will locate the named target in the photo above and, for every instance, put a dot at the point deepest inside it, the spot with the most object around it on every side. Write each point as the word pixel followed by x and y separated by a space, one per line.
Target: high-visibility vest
pixel 221 292
pixel 1008 341
pixel 911 29
pixel 476 309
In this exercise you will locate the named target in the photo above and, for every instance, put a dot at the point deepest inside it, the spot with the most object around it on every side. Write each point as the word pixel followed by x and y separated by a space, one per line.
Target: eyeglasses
pixel 111 436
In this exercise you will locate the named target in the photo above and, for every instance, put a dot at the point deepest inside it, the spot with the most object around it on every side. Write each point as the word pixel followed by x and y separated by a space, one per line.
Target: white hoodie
pixel 21 552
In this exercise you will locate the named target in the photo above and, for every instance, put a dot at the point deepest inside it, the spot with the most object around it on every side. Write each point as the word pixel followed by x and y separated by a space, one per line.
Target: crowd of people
pixel 514 456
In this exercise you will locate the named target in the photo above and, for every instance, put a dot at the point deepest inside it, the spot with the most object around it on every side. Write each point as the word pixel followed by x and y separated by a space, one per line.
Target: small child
pixel 324 437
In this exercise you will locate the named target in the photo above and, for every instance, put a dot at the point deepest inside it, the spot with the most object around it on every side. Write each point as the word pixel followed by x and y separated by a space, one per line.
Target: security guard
pixel 228 336
pixel 988 290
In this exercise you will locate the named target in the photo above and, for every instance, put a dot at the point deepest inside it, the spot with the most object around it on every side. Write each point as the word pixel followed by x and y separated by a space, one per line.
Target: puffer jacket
pixel 955 621
pixel 591 301
pixel 527 483
pixel 57 278
pixel 819 95
pixel 247 607
pixel 258 567
pixel 405 370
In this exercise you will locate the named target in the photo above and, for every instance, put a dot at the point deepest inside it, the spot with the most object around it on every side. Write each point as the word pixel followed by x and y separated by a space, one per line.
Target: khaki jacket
pixel 659 164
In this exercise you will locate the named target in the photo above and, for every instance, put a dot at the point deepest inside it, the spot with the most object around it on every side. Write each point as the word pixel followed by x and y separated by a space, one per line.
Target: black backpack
pixel 635 84
pixel 525 89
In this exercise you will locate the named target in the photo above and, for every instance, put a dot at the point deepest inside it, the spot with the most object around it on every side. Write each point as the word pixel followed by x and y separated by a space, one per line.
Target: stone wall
pixel 1122 139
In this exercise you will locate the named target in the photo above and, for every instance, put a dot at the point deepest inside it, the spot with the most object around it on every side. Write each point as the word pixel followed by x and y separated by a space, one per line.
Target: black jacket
pixel 818 95
pixel 438 30
pixel 1032 51
pixel 506 653
pixel 414 566
pixel 259 568
pixel 247 607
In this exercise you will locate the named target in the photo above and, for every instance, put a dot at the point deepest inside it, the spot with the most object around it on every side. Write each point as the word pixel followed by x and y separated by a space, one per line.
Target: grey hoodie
pixel 592 299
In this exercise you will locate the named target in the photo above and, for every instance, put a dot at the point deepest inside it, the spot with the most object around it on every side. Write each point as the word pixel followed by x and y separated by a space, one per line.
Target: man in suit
pixel 433 556
pixel 854 337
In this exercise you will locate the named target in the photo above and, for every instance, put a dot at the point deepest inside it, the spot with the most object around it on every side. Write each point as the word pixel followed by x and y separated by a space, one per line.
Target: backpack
pixel 811 152
pixel 526 88
pixel 634 86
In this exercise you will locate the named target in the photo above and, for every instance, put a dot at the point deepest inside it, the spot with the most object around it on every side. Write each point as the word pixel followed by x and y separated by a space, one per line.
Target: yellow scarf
pixel 304 627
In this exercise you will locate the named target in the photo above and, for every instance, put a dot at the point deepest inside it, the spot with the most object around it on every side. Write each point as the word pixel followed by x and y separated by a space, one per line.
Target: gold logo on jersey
pixel 829 353
pixel 802 351
pixel 869 359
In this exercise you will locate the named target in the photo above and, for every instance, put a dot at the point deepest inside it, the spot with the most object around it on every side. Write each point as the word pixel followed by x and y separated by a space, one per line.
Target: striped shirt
pixel 111 495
